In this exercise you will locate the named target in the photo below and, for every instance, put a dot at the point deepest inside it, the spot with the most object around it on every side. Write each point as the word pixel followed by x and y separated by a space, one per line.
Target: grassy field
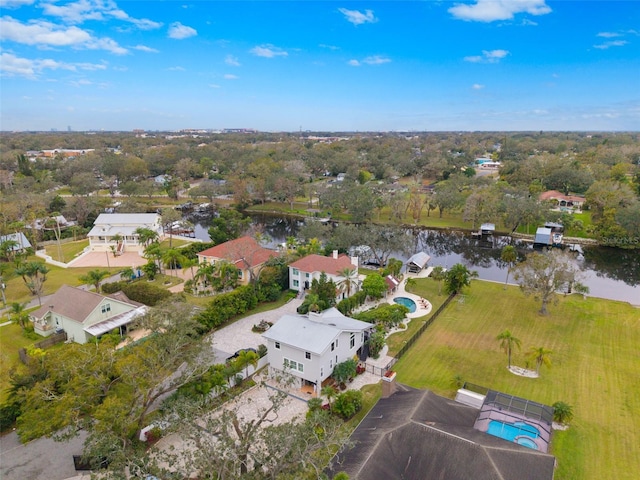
pixel 595 369
pixel 11 340
pixel 69 250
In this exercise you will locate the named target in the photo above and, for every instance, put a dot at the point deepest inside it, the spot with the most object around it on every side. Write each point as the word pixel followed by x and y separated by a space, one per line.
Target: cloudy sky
pixel 330 65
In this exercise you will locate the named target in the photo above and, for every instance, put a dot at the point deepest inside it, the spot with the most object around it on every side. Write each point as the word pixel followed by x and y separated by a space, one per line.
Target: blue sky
pixel 329 66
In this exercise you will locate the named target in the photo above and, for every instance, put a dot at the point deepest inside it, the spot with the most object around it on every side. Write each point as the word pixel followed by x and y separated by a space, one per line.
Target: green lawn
pixel 11 340
pixel 69 250
pixel 595 369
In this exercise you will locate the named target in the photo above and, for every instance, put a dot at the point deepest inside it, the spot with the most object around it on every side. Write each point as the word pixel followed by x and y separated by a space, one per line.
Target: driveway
pixel 238 335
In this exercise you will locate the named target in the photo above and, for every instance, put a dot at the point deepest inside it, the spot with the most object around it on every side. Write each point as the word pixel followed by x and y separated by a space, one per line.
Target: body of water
pixel 608 272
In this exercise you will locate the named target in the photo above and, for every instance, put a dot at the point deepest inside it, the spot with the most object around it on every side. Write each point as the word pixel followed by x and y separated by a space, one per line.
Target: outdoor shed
pixel 417 262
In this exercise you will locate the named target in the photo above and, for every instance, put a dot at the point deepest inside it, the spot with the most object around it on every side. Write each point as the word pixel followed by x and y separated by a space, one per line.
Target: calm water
pixel 608 272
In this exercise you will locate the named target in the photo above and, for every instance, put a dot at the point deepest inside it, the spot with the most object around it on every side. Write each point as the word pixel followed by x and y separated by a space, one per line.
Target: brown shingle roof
pixel 319 263
pixel 555 194
pixel 74 303
pixel 235 251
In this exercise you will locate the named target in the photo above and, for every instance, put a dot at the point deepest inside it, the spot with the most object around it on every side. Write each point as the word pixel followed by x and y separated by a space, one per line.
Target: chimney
pixel 389 385
pixel 335 254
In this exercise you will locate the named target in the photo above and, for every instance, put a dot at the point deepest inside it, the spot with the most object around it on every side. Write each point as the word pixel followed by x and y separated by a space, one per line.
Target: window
pixel 293 365
pixel 330 363
pixel 296 283
pixel 352 340
pixel 321 372
pixel 306 275
pixel 106 308
pixel 336 343
pixel 296 272
pixel 333 346
pixel 307 355
pixel 278 345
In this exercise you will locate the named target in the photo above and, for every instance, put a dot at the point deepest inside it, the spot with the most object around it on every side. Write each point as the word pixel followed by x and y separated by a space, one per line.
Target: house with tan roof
pixel 85 315
pixel 303 271
pixel 562 201
pixel 244 252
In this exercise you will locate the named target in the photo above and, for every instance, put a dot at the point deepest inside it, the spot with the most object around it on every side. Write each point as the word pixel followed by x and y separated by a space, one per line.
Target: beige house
pixel 302 272
pixel 85 315
pixel 117 231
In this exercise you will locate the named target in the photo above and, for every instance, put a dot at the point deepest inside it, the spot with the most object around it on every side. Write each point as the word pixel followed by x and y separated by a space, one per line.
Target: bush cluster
pixel 225 306
pixel 347 305
pixel 140 291
pixel 347 404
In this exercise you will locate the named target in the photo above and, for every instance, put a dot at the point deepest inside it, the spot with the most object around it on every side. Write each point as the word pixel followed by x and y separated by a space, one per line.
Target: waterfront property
pixel 85 315
pixel 117 231
pixel 309 346
pixel 417 262
pixel 303 271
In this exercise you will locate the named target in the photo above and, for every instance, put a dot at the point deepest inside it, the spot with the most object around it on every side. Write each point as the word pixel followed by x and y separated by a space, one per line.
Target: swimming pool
pixel 514 432
pixel 407 302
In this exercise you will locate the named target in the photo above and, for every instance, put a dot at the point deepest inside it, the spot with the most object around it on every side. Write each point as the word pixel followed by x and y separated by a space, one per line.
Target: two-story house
pixel 303 271
pixel 117 231
pixel 244 252
pixel 309 346
pixel 85 315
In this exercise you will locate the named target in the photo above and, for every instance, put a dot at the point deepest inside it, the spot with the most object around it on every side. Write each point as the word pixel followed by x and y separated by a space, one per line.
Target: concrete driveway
pixel 238 335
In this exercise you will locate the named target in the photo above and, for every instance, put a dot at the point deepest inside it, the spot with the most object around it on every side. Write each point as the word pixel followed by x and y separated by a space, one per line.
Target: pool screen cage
pixel 520 406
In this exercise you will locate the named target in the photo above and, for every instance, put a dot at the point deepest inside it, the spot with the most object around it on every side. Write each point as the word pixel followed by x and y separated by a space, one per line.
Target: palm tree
pixel 153 252
pixel 509 255
pixel 329 392
pixel 246 358
pixel 541 356
pixel 146 236
pixel 127 273
pixel 18 315
pixel 507 342
pixel 189 263
pixel 172 258
pixel 562 412
pixel 204 274
pixel 33 274
pixel 312 302
pixel 349 280
pixel 438 274
pixel 458 277
pixel 94 277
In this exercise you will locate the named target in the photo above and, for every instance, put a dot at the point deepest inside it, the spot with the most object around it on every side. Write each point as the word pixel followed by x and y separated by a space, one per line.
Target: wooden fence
pixel 46 343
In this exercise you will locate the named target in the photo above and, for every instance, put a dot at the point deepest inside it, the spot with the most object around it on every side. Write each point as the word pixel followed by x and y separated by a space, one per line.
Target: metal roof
pixel 420 259
pixel 115 322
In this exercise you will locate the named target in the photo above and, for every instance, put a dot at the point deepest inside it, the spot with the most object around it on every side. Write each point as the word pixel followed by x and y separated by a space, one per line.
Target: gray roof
pixel 543 235
pixel 420 259
pixel 137 219
pixel 19 238
pixel 115 322
pixel 313 334
pixel 416 435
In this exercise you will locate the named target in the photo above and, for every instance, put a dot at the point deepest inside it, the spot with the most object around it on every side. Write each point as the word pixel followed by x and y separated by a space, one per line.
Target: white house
pixel 117 230
pixel 303 271
pixel 309 347
pixel 85 315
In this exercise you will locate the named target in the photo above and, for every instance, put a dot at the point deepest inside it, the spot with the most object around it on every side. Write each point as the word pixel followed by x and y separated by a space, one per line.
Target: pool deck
pixel 423 306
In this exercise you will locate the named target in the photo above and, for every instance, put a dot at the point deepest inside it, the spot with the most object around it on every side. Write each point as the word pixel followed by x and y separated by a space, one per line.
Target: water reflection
pixel 608 272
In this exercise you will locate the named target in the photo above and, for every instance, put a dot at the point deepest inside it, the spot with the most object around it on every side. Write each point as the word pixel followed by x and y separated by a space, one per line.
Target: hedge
pixel 225 306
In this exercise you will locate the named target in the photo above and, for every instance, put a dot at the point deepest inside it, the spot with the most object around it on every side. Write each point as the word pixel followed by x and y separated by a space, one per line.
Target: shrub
pixel 347 404
pixel 562 412
pixel 344 371
pixel 113 287
pixel 146 293
pixel 225 306
pixel 10 411
pixel 262 350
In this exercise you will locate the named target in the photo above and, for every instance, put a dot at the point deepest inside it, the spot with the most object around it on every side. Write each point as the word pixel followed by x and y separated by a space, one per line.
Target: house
pixel 49 223
pixel 117 231
pixel 417 262
pixel 244 252
pixel 309 346
pixel 303 271
pixel 415 434
pixel 85 315
pixel 20 245
pixel 392 283
pixel 562 201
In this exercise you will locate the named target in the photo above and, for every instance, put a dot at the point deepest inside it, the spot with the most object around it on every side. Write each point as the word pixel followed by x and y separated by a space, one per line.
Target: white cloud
pixel 214 85
pixel 11 65
pixel 178 31
pixel 477 86
pixel 46 34
pixel 358 18
pixel 354 63
pixel 488 56
pixel 611 43
pixel 376 60
pixel 329 47
pixel 14 3
pixel 268 51
pixel 176 69
pixel 100 10
pixel 231 60
pixel 609 34
pixel 144 48
pixel 492 10
pixel 229 76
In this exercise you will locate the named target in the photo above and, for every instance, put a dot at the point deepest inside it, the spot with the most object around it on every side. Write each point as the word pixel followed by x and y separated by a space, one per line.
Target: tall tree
pixel 34 274
pixel 95 277
pixel 542 274
pixel 507 343
pixel 540 355
pixel 458 277
pixel 349 280
pixel 508 255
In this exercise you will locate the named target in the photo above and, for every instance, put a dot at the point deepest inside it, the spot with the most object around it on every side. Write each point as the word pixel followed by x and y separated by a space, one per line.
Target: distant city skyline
pixel 472 65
